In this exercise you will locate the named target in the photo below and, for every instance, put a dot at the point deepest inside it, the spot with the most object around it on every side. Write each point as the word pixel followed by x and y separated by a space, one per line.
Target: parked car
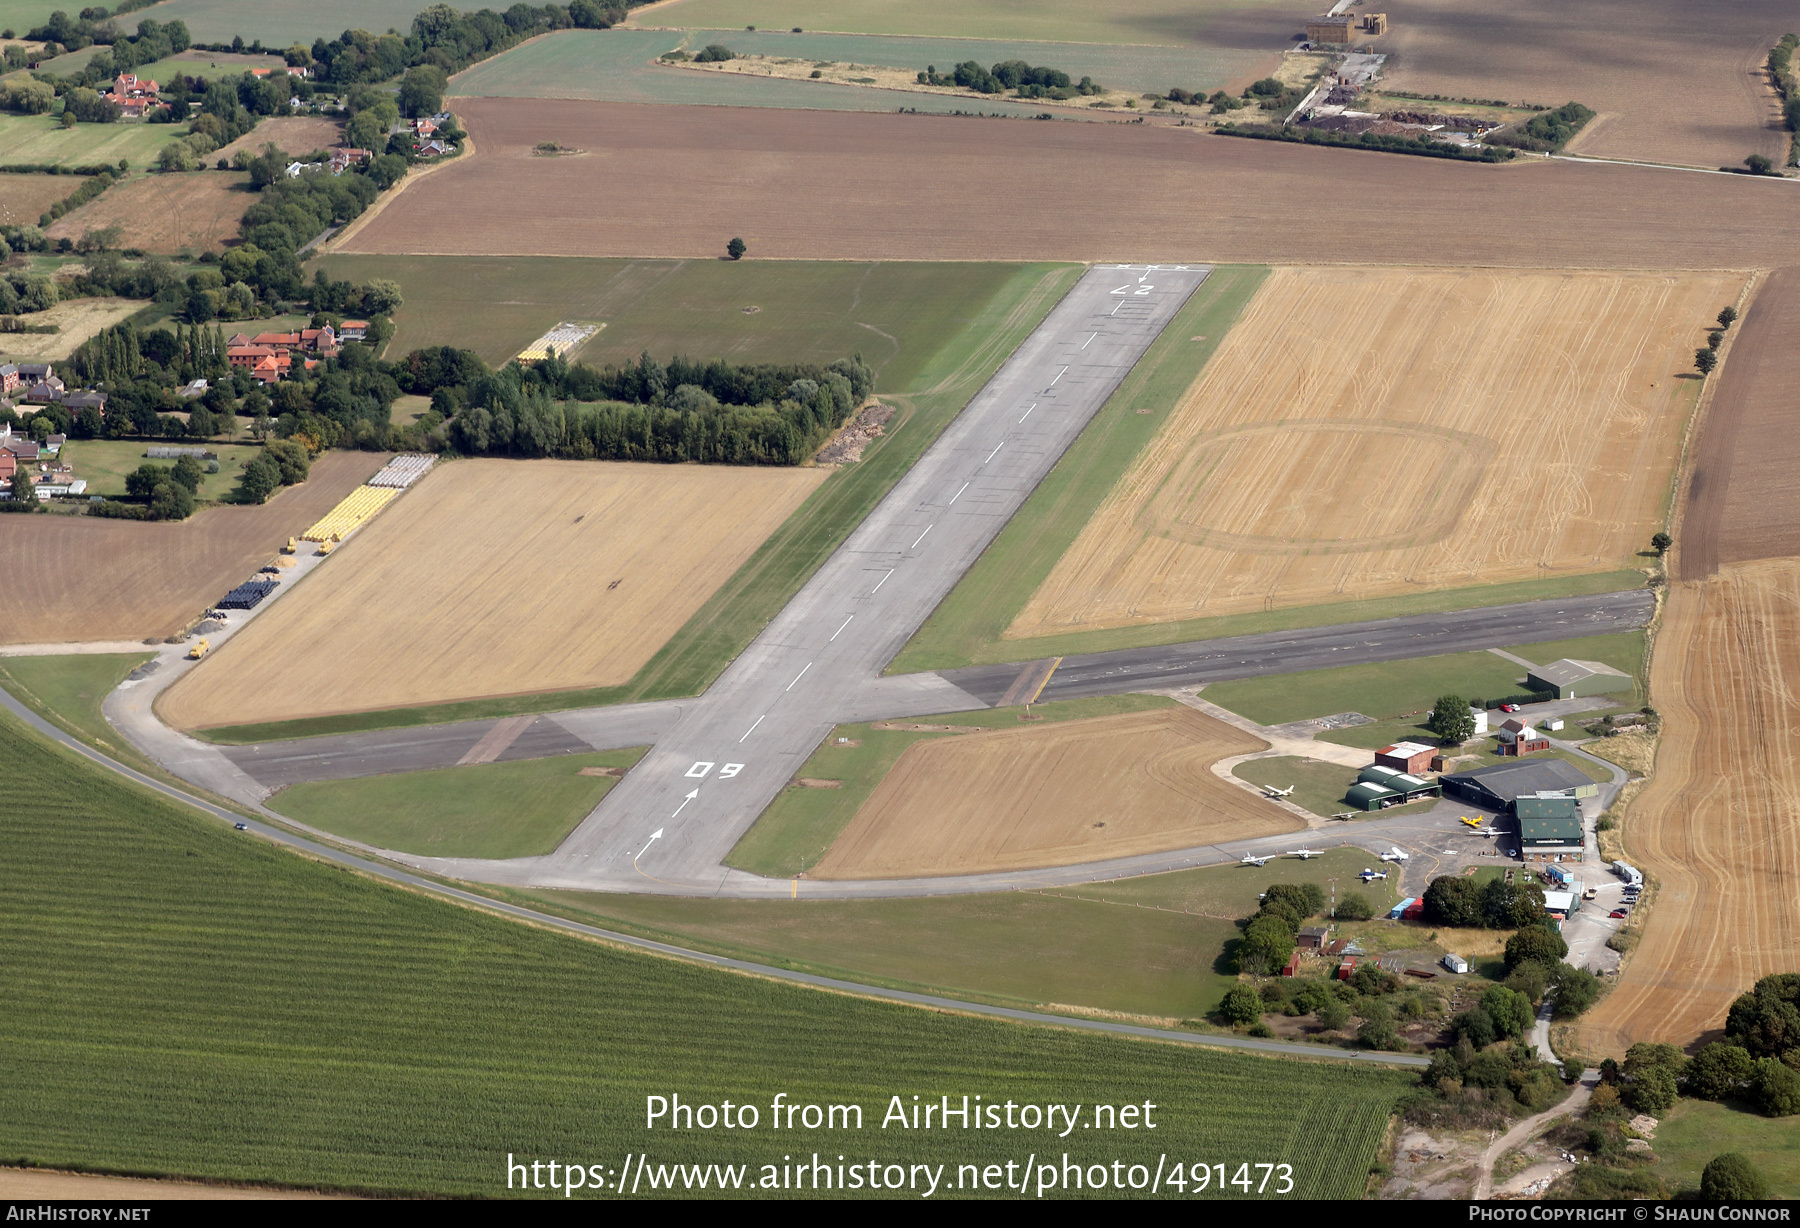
pixel 1509 707
pixel 1621 912
pixel 241 826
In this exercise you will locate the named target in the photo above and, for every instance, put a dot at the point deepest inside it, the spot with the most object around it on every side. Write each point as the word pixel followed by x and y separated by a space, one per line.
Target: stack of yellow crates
pixel 348 516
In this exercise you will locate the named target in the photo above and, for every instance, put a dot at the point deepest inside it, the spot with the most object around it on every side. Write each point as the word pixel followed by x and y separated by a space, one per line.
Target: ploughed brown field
pixel 1364 433
pixel 679 181
pixel 1672 82
pixel 495 577
pixel 74 578
pixel 196 212
pixel 1051 795
pixel 1744 493
pixel 1718 827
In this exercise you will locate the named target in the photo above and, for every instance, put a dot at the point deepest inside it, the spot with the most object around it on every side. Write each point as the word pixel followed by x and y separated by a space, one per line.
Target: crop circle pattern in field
pixel 1420 480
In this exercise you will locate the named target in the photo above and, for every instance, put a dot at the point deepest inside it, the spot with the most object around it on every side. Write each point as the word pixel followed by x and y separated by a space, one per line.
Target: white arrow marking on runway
pixel 965 486
pixel 657 834
pixel 759 720
pixel 797 677
pixel 840 630
pixel 995 452
pixel 1147 273
pixel 880 582
pixel 921 537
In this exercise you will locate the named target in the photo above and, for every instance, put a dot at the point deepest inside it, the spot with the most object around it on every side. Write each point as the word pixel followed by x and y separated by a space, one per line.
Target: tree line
pixel 1015 75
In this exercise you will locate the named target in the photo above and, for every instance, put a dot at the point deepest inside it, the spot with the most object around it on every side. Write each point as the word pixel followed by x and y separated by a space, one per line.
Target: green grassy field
pixel 41 138
pixel 975 614
pixel 619 66
pixel 1622 651
pixel 1153 947
pixel 493 810
pixel 1391 689
pixel 1694 1131
pixel 68 691
pixel 277 25
pixel 105 462
pixel 743 606
pixel 280 1020
pixel 1318 786
pixel 1168 22
pixel 1484 752
pixel 801 823
pixel 208 64
pixel 896 315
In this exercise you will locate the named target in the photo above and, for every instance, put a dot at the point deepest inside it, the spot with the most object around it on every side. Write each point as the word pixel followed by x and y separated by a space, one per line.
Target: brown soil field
pixel 195 212
pixel 907 187
pixel 534 576
pixel 296 135
pixel 1718 826
pixel 75 578
pixel 1743 497
pixel 1670 86
pixel 1075 791
pixel 1369 432
pixel 23 198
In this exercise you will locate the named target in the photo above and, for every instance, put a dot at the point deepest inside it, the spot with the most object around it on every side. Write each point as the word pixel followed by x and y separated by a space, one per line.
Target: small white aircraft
pixel 1369 876
pixel 1395 854
pixel 1251 859
pixel 1272 791
pixel 1303 854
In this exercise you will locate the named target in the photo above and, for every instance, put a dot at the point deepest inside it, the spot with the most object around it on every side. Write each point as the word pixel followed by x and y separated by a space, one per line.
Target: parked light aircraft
pixel 1272 791
pixel 1395 854
pixel 1251 859
pixel 1303 854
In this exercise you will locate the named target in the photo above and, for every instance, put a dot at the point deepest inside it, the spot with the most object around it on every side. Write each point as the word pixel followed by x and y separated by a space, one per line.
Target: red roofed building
pixel 134 95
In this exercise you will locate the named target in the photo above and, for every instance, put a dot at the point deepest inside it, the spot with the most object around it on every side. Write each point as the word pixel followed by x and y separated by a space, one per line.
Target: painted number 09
pixel 701 768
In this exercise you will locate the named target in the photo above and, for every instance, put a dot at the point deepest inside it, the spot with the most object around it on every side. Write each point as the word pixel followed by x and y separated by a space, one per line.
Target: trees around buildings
pixel 1451 720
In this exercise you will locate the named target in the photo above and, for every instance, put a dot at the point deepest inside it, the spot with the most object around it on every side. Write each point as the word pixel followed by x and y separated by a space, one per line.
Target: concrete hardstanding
pixel 734 749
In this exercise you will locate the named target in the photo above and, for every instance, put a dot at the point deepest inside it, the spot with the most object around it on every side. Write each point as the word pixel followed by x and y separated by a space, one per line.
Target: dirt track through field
pixel 1672 82
pixel 1744 493
pixel 908 187
pixel 1718 827
pixel 1365 433
pixel 74 578
pixel 1085 790
pixel 530 575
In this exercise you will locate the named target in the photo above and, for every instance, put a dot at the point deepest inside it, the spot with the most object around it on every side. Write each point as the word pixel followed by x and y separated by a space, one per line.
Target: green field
pixel 1391 689
pixel 1166 22
pixel 619 66
pixel 208 64
pixel 1694 1131
pixel 274 1019
pixel 801 823
pixel 1318 786
pixel 68 691
pixel 41 138
pixel 105 462
pixel 733 616
pixel 1152 947
pixel 493 810
pixel 896 315
pixel 281 25
pixel 975 614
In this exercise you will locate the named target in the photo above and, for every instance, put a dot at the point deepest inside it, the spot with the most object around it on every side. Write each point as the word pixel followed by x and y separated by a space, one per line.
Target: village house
pixel 134 95
pixel 342 159
pixel 9 379
pixel 354 330
pixel 46 391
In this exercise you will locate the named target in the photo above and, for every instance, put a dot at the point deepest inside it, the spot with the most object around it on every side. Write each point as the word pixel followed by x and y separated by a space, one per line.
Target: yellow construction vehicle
pixel 293 547
pixel 198 650
pixel 326 547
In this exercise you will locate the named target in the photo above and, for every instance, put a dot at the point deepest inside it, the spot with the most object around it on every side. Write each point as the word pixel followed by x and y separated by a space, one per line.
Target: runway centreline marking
pixel 840 630
pixel 797 678
pixel 921 537
pixel 882 581
pixel 965 486
pixel 1027 412
pixel 995 452
pixel 759 720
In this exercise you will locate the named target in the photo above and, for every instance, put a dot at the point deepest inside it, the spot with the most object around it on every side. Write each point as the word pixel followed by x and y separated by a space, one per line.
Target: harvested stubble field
pixel 1365 433
pixel 536 576
pixel 1742 499
pixel 23 198
pixel 1669 88
pixel 1086 790
pixel 75 319
pixel 1719 824
pixel 78 578
pixel 295 135
pixel 195 212
pixel 936 188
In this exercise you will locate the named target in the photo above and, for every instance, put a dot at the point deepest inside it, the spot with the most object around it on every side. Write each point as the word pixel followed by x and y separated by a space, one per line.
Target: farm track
pixel 1718 827
pixel 932 187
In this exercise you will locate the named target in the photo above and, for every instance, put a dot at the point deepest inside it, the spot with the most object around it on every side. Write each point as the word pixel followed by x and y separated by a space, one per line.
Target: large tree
pixel 1451 720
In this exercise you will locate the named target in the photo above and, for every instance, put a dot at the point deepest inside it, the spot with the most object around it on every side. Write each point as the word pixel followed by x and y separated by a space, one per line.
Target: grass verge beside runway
pixel 739 610
pixel 803 821
pixel 493 810
pixel 1318 786
pixel 67 691
pixel 1154 948
pixel 1391 689
pixel 282 1021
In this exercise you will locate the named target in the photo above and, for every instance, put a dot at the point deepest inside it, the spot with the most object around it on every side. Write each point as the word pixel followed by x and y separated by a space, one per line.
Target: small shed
pixel 1572 679
pixel 1481 719
pixel 1560 904
pixel 1346 968
pixel 1314 938
pixel 1409 757
pixel 1456 964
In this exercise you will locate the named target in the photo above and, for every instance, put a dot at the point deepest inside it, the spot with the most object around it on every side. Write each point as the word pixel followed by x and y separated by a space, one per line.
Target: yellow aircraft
pixel 1474 822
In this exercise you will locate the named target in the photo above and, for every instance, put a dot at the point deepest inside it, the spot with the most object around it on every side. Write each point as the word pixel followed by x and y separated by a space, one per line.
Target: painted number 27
pixel 1134 289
